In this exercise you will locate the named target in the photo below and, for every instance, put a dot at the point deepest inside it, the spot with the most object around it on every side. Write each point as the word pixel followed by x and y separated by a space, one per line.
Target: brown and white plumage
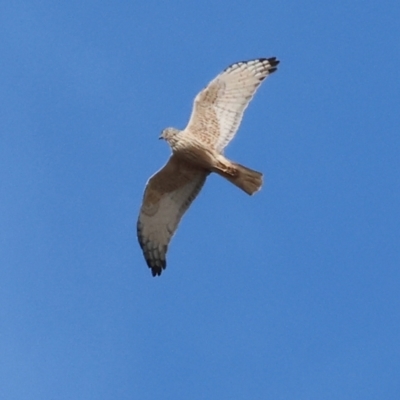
pixel 168 194
pixel 218 109
pixel 197 151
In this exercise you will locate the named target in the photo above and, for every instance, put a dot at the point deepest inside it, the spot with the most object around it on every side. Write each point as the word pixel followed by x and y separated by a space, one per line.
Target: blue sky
pixel 290 294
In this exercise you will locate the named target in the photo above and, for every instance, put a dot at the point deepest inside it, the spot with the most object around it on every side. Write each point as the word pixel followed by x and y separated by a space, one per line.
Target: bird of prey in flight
pixel 196 152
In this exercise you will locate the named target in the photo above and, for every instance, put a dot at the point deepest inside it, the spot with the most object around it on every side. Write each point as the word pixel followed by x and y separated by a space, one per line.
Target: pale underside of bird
pixel 196 152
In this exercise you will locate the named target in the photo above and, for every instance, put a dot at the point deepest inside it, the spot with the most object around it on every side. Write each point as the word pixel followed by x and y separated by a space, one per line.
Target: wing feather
pixel 218 109
pixel 168 194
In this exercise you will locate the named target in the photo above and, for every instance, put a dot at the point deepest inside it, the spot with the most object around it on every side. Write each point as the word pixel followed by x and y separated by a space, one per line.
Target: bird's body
pixel 187 147
pixel 196 152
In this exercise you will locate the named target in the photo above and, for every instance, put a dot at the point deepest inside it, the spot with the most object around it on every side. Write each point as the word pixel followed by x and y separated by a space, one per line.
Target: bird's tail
pixel 245 178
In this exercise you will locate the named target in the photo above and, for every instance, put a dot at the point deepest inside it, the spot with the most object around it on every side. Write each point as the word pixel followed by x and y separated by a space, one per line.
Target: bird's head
pixel 169 134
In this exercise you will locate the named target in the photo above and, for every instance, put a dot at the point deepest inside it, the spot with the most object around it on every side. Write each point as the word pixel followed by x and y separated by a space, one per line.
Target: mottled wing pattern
pixel 167 196
pixel 218 109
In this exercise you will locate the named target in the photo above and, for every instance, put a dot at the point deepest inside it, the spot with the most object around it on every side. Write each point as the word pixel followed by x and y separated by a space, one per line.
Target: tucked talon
pixel 232 171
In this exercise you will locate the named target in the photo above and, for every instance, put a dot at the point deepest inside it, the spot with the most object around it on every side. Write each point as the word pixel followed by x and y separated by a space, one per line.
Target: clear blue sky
pixel 290 294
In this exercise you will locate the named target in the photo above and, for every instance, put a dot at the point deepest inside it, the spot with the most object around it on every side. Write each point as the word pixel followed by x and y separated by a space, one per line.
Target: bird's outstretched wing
pixel 218 109
pixel 168 194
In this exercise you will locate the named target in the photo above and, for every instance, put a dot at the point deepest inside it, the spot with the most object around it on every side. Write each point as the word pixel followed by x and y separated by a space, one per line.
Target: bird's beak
pixel 161 137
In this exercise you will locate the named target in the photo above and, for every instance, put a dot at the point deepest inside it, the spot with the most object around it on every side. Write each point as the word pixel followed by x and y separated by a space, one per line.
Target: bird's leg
pixel 225 166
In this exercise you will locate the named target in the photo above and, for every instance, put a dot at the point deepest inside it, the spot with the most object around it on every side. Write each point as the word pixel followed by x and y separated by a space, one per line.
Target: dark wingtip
pixel 156 269
pixel 154 259
pixel 273 61
pixel 270 64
